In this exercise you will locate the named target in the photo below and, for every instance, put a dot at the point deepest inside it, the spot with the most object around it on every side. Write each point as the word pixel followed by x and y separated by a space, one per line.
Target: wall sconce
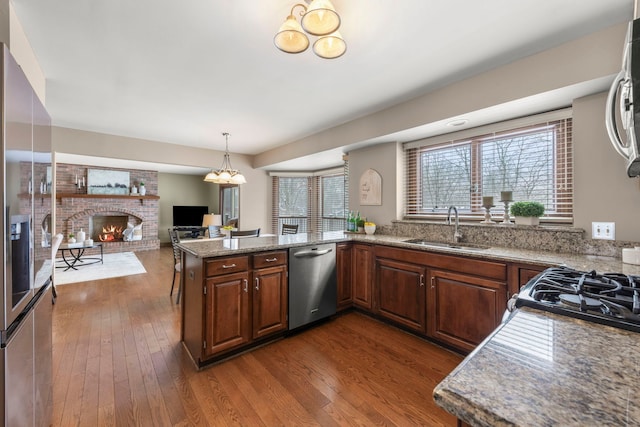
pixel 319 19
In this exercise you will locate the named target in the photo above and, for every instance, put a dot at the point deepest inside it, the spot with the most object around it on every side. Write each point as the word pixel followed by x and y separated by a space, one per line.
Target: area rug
pixel 115 265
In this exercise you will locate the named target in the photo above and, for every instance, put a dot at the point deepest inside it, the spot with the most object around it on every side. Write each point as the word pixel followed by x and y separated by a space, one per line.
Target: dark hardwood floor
pixel 117 360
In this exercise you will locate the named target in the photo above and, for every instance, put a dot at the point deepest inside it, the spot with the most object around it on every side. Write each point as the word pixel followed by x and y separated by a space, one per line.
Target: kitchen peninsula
pixel 418 288
pixel 544 369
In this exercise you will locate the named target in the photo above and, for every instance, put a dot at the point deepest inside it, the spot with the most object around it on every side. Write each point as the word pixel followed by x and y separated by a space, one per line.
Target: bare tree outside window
pixel 522 164
pixel 533 162
pixel 448 178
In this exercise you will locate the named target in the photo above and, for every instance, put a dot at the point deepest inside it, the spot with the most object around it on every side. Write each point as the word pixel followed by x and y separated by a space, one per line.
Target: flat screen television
pixel 189 216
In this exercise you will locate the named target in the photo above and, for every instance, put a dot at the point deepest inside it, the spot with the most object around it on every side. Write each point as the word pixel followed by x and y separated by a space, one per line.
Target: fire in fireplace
pixel 108 228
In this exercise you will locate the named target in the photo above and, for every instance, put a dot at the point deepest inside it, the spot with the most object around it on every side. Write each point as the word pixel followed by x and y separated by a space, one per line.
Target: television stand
pixel 190 232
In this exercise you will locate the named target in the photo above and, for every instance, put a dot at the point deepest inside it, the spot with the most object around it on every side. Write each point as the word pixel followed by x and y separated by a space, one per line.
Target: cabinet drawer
pixel 216 267
pixel 269 259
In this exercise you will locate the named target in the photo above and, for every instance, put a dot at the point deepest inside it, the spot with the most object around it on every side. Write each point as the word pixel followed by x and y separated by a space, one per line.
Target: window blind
pixel 531 157
pixel 315 202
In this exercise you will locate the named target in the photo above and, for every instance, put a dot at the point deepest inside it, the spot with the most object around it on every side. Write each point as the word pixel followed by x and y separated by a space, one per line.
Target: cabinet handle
pixel 271 259
pixel 433 282
pixel 246 285
pixel 228 266
pixel 422 280
pixel 257 284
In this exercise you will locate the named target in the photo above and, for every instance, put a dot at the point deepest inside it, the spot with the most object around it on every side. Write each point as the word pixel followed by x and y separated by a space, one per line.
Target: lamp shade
pixel 290 37
pixel 330 47
pixel 211 219
pixel 321 18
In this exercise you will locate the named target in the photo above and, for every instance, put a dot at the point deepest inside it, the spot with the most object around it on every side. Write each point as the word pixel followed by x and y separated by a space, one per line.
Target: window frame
pixel 315 219
pixel 562 164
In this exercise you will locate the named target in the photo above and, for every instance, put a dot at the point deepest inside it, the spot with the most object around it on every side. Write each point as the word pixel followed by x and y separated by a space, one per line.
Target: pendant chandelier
pixel 226 174
pixel 318 19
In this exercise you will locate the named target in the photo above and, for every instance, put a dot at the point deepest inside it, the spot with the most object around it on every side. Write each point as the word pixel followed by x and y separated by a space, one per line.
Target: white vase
pixel 134 190
pixel 143 190
pixel 71 240
pixel 81 236
pixel 527 220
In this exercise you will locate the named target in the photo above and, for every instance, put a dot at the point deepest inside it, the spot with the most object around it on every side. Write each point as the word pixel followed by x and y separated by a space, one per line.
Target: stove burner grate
pixel 612 299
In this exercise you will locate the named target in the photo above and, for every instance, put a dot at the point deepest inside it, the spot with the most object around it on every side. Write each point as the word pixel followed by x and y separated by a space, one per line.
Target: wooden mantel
pixel 61 196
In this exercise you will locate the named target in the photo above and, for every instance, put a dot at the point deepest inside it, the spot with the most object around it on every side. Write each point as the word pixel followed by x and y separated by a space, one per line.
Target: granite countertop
pixel 544 369
pixel 205 248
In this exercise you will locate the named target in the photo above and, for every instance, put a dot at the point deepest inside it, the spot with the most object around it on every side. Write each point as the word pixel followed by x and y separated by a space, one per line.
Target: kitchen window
pixel 531 157
pixel 315 202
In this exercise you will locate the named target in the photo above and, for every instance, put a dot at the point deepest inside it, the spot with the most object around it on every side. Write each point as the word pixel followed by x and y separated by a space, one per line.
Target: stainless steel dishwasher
pixel 312 283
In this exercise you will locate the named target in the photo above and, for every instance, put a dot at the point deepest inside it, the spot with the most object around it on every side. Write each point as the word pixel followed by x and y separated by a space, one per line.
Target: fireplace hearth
pixel 108 228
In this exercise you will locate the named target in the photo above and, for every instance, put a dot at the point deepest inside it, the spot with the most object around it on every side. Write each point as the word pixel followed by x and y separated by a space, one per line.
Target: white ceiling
pixel 184 71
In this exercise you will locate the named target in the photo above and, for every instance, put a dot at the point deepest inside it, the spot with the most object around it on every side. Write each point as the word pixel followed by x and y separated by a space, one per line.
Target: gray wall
pixel 189 190
pixel 602 190
pixel 386 160
pixel 254 196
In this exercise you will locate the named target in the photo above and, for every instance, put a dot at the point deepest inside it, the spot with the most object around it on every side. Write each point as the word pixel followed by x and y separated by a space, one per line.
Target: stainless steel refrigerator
pixel 25 321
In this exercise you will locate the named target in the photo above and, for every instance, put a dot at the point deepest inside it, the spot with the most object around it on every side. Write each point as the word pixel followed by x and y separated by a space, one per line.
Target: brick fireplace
pixel 76 210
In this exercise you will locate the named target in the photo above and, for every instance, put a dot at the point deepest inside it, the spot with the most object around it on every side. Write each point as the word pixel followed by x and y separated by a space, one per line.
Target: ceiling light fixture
pixel 318 19
pixel 457 122
pixel 226 174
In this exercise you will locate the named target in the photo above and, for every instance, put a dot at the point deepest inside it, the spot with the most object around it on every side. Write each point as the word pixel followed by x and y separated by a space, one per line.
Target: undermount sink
pixel 466 246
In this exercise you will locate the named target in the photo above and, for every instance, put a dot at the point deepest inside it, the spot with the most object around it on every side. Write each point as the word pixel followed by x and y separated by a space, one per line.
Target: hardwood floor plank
pixel 169 392
pixel 118 361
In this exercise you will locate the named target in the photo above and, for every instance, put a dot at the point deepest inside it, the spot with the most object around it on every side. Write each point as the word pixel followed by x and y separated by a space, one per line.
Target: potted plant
pixel 143 190
pixel 527 213
pixel 72 238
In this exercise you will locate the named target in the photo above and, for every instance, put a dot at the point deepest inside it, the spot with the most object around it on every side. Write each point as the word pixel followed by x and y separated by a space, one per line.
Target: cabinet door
pixel 343 267
pixel 362 272
pixel 269 301
pixel 463 310
pixel 401 293
pixel 227 312
pixel 520 274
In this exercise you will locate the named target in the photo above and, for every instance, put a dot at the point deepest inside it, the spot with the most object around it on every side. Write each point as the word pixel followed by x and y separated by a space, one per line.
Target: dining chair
pixel 289 228
pixel 245 233
pixel 55 245
pixel 177 264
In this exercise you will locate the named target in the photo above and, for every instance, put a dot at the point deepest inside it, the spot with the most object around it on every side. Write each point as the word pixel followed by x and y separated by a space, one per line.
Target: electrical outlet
pixel 603 230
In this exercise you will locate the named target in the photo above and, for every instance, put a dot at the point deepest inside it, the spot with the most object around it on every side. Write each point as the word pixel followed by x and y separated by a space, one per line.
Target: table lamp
pixel 212 222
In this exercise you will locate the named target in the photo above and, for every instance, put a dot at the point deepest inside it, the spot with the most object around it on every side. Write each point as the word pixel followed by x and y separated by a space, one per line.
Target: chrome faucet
pixel 456 233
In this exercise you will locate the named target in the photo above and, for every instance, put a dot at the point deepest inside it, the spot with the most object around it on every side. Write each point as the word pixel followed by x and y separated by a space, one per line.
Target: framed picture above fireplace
pixel 104 181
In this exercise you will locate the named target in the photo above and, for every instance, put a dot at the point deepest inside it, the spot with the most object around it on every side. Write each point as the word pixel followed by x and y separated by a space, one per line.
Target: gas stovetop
pixel 610 299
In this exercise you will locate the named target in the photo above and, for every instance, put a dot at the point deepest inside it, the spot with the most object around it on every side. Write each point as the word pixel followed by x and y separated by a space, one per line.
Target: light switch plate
pixel 603 230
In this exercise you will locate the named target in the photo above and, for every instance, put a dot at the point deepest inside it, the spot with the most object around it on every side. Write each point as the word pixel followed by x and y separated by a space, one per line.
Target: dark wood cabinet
pixel 235 302
pixel 401 293
pixel 227 312
pixel 230 302
pixel 520 274
pixel 270 300
pixel 344 262
pixel 226 304
pixel 362 275
pixel 463 310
